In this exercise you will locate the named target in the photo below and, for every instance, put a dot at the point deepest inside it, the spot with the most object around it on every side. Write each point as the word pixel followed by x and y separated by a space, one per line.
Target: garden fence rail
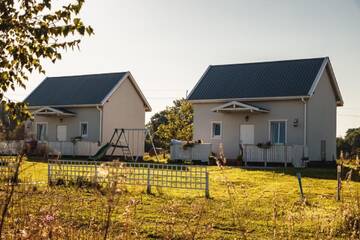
pixel 129 173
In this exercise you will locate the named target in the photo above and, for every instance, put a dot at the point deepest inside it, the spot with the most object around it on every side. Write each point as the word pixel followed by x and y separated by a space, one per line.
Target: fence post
pixel 245 154
pixel 286 155
pixel 89 147
pixel 298 174
pixel 148 186
pixel 95 175
pixel 207 194
pixel 338 190
pixel 49 173
pixel 266 158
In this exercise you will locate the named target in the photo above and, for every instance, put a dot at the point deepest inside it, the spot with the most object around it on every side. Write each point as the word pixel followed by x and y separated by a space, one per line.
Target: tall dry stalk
pixel 232 194
pixel 10 191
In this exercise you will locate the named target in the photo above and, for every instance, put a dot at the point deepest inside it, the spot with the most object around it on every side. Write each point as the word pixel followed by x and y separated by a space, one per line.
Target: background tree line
pixel 350 144
pixel 175 122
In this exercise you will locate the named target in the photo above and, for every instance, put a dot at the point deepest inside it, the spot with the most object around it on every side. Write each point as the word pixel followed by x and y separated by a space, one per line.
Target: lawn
pixel 244 203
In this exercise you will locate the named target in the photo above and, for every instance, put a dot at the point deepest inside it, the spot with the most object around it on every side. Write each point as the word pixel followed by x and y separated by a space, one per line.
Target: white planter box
pixel 198 152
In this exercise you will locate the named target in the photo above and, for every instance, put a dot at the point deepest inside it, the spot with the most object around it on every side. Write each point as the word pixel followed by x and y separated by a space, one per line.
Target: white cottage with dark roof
pixel 86 107
pixel 281 111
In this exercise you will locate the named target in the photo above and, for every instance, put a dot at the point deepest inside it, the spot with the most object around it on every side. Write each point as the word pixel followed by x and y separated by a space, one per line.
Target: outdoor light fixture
pixel 296 122
pixel 246 118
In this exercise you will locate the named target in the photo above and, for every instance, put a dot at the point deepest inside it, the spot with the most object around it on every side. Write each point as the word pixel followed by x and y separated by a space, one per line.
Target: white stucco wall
pixel 279 110
pixel 124 109
pixel 83 114
pixel 321 115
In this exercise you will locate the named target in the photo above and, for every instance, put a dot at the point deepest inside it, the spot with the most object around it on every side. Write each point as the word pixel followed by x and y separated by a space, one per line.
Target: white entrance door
pixel 61 132
pixel 247 134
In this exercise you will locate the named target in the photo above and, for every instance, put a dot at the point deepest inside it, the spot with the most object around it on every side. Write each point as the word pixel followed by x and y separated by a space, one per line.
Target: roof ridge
pixel 70 90
pixel 270 61
pixel 86 75
pixel 259 79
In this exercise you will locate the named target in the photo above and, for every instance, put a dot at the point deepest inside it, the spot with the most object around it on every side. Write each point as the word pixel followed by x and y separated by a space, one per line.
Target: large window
pixel 216 130
pixel 83 129
pixel 41 131
pixel 278 132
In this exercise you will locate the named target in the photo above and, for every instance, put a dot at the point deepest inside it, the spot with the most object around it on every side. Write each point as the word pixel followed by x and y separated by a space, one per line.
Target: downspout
pixel 305 126
pixel 98 107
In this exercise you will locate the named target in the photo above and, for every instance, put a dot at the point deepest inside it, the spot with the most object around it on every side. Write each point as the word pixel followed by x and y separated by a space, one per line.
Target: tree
pixel 32 31
pixel 10 130
pixel 352 138
pixel 175 122
pixel 350 144
pixel 156 120
pixel 342 146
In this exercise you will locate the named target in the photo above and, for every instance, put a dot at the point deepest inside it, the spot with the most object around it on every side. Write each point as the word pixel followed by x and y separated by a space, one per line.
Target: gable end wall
pixel 321 120
pixel 124 109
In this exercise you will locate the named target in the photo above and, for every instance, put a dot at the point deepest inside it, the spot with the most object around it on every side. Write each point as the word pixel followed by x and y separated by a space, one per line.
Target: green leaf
pixel 30 33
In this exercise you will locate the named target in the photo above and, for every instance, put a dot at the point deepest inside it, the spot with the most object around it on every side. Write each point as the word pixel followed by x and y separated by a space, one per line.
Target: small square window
pixel 84 129
pixel 216 130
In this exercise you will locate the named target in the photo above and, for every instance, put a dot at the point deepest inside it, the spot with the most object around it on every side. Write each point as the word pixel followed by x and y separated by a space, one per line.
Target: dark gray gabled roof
pixel 74 90
pixel 258 80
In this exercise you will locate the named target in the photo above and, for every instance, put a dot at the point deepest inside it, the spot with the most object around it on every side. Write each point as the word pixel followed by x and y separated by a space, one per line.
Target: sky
pixel 167 45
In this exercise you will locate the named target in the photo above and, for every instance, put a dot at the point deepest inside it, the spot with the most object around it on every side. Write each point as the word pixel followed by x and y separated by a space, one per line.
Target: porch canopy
pixel 235 106
pixel 54 111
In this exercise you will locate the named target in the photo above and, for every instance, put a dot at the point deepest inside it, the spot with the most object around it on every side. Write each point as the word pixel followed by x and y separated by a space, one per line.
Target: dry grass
pixel 251 204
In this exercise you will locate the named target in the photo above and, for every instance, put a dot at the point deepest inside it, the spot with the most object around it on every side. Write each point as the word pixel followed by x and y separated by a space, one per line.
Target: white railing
pixel 80 148
pixel 67 172
pixel 11 147
pixel 274 154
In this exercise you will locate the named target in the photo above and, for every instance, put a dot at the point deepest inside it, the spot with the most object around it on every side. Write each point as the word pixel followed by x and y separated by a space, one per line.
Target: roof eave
pixel 64 106
pixel 198 82
pixel 249 99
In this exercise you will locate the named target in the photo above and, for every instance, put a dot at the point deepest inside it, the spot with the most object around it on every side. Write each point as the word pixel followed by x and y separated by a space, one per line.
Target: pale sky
pixel 167 44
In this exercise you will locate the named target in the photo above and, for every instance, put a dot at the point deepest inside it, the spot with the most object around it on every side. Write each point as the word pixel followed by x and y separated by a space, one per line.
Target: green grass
pixel 161 158
pixel 256 204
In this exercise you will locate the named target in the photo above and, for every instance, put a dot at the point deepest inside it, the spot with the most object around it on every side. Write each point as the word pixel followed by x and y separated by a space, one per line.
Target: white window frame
pixel 87 129
pixel 46 132
pixel 269 127
pixel 211 130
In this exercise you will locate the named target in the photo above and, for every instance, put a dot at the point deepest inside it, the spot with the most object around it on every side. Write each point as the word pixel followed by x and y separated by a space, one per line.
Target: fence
pixel 27 173
pixel 7 170
pixel 80 148
pixel 11 147
pixel 129 173
pixel 274 154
